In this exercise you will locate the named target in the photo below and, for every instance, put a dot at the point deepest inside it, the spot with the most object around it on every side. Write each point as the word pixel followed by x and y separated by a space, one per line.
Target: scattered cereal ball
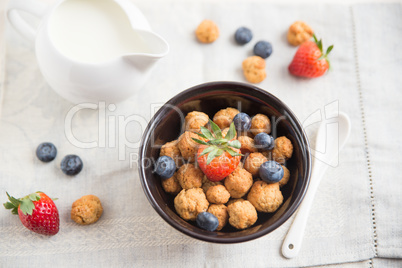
pixel 86 210
pixel 224 117
pixel 172 185
pixel 189 176
pixel 238 182
pixel 265 197
pixel 206 183
pixel 187 146
pixel 242 214
pixel 195 120
pixel 283 149
pixel 260 123
pixel 221 212
pixel 189 203
pixel 253 163
pixel 170 149
pixel 298 33
pixel 218 194
pixel 286 176
pixel 254 69
pixel 207 31
pixel 247 145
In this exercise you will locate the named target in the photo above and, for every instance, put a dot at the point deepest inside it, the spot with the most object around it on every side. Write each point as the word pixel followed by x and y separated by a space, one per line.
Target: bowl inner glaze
pixel 167 125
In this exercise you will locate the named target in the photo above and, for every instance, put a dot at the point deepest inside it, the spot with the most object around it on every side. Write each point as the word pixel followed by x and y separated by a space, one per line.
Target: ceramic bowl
pixel 167 125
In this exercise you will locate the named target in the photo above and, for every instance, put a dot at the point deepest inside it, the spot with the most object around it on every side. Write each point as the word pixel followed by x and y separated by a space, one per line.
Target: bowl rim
pixel 221 240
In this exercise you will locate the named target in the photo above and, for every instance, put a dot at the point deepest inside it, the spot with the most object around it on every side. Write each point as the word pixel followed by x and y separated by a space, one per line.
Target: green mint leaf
pixel 232 153
pixel 27 206
pixel 208 135
pixel 199 141
pixel 329 50
pixel 215 129
pixel 207 150
pixel 34 197
pixel 231 133
pixel 235 144
pixel 212 155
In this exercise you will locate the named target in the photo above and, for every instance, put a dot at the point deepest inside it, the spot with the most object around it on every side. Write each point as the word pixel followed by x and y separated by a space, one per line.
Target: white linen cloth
pixel 356 217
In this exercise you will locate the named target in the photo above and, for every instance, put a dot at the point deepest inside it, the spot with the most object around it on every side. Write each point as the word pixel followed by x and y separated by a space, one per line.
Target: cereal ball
pixel 247 145
pixel 254 69
pixel 172 185
pixel 238 182
pixel 172 150
pixel 221 212
pixel 286 176
pixel 218 194
pixel 260 123
pixel 265 197
pixel 299 32
pixel 242 214
pixel 189 176
pixel 207 31
pixel 224 117
pixel 206 183
pixel 188 203
pixel 187 146
pixel 195 120
pixel 267 154
pixel 86 210
pixel 283 149
pixel 253 163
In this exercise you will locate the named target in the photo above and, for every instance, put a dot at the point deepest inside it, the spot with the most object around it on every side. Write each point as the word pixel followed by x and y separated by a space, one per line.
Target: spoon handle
pixel 293 240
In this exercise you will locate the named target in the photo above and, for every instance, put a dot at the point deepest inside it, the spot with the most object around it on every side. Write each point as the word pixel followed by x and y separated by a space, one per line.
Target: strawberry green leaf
pixel 14 201
pixel 34 197
pixel 315 39
pixel 231 133
pixel 219 141
pixel 329 50
pixel 232 153
pixel 322 57
pixel 319 45
pixel 219 152
pixel 8 205
pixel 14 211
pixel 201 135
pixel 212 155
pixel 208 135
pixel 199 141
pixel 207 150
pixel 215 129
pixel 235 144
pixel 27 206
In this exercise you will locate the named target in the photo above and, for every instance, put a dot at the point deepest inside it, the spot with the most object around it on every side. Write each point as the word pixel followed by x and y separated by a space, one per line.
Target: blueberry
pixel 242 122
pixel 165 167
pixel 207 221
pixel 46 152
pixel 71 164
pixel 263 49
pixel 264 141
pixel 271 171
pixel 243 35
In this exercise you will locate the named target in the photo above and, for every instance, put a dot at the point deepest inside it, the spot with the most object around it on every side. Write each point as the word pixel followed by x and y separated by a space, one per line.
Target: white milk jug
pixel 91 50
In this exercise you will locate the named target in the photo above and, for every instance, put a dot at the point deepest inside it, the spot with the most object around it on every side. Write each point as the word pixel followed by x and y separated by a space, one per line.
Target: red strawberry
pixel 309 60
pixel 218 156
pixel 37 212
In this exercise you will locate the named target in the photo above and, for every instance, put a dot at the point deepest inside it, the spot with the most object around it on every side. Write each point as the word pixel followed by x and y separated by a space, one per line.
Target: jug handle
pixel 35 8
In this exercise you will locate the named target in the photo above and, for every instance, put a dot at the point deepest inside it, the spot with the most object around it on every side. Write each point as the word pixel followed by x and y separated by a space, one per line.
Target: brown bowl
pixel 167 124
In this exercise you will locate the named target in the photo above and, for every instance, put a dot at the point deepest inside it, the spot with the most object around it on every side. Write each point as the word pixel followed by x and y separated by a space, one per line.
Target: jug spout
pixel 156 48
